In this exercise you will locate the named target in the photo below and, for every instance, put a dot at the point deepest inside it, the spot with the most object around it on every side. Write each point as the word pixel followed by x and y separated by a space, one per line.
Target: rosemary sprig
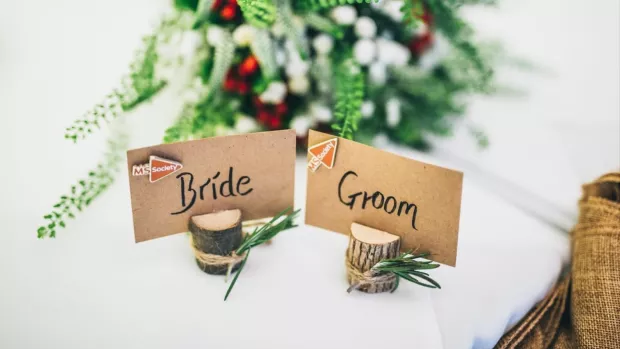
pixel 408 266
pixel 279 223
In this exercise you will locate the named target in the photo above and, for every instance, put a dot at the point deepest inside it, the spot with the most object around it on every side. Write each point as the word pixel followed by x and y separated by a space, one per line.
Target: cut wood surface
pixel 217 233
pixel 367 247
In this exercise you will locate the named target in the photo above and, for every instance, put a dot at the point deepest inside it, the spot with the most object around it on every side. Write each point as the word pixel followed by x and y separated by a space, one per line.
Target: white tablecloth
pixel 92 287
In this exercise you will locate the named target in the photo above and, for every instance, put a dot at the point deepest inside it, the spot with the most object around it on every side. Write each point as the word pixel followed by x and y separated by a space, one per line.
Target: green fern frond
pixel 139 85
pixel 259 13
pixel 349 93
pixel 87 189
pixel 315 5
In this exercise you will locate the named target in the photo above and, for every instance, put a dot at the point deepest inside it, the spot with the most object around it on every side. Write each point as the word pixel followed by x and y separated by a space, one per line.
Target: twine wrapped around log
pixel 214 238
pixel 370 280
pixel 216 261
pixel 367 247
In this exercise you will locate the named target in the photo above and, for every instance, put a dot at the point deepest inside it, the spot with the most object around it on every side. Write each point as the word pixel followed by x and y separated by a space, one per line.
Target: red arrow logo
pixel 323 153
pixel 161 168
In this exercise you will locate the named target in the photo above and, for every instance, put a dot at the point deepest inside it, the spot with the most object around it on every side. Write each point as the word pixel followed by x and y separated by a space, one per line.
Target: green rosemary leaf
pixel 426 277
pixel 414 280
pixel 396 283
pixel 408 267
pixel 232 284
pixel 276 225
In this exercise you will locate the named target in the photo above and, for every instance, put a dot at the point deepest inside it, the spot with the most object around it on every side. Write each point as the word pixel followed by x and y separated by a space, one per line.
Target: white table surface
pixel 92 287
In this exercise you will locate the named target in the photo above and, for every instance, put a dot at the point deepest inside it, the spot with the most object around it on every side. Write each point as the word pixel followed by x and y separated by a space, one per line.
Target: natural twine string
pixel 370 277
pixel 214 259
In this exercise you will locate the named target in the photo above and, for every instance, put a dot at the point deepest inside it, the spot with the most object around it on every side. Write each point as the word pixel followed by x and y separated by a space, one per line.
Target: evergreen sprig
pixel 282 221
pixel 86 190
pixel 139 85
pixel 260 13
pixel 349 86
pixel 409 267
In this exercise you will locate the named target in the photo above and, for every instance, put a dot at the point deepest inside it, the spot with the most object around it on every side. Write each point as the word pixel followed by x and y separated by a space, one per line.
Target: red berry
pixel 230 83
pixel 263 116
pixel 217 4
pixel 275 122
pixel 421 43
pixel 229 12
pixel 248 67
pixel 243 87
pixel 281 108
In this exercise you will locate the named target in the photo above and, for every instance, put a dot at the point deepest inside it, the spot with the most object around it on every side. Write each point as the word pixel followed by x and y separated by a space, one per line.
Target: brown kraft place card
pixel 169 183
pixel 349 182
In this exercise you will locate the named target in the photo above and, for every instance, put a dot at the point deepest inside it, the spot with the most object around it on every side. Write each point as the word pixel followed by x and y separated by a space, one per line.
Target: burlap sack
pixel 583 309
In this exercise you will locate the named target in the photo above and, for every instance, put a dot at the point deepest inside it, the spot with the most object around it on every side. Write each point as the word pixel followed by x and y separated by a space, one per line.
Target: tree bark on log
pixel 217 233
pixel 368 246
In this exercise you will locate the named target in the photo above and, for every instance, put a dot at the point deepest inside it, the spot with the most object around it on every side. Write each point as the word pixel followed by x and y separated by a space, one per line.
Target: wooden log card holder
pixel 367 247
pixel 215 236
pixel 374 263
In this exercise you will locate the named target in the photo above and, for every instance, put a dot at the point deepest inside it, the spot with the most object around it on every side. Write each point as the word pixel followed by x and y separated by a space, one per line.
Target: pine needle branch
pixel 87 189
pixel 409 267
pixel 282 221
pixel 139 85
pixel 349 91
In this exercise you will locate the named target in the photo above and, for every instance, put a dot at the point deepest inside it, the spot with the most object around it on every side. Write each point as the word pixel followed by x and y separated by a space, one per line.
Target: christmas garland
pixel 357 68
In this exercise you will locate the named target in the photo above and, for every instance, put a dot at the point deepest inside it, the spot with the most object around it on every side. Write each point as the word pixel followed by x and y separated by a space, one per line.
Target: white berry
pixel 365 27
pixel 243 35
pixel 368 108
pixel 377 73
pixel 320 112
pixel 323 43
pixel 364 51
pixel 215 35
pixel 245 124
pixel 297 67
pixel 299 85
pixel 275 93
pixel 301 124
pixel 344 15
pixel 392 109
